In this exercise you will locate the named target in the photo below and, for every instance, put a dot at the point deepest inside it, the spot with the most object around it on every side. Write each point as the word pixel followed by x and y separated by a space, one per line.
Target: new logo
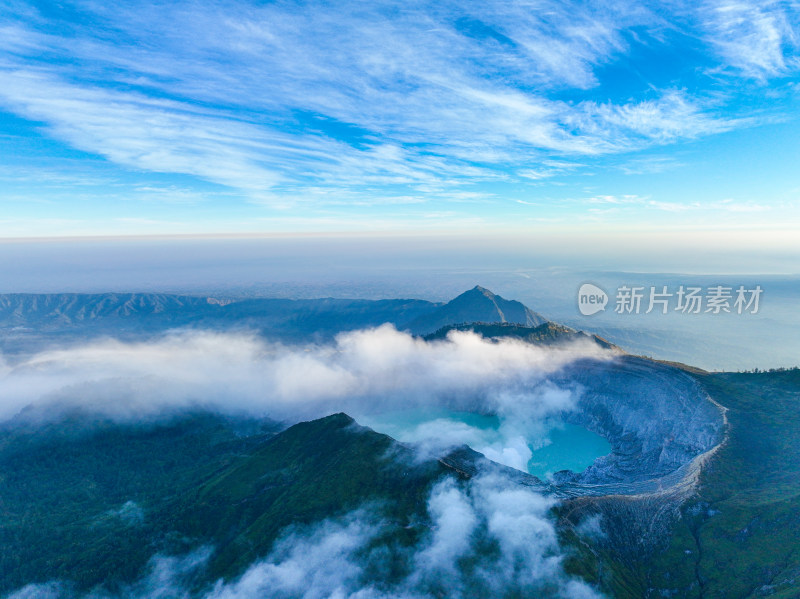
pixel 591 299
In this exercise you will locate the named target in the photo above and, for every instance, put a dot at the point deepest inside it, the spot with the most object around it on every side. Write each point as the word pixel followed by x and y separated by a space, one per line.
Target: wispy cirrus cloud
pixel 649 165
pixel 632 201
pixel 281 100
pixel 757 39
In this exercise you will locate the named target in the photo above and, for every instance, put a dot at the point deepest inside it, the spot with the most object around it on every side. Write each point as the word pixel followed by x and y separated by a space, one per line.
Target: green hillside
pixel 312 471
pixel 743 528
pixel 739 536
pixel 91 502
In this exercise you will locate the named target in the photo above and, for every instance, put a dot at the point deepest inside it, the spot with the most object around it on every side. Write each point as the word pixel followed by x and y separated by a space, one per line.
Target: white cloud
pixel 282 98
pixel 634 125
pixel 487 538
pixel 758 39
pixel 591 527
pixel 330 561
pixel 130 513
pixel 632 201
pixel 49 590
pixel 617 200
pixel 550 168
pixel 333 559
pixel 141 132
pixel 315 565
pixel 648 165
pixel 362 372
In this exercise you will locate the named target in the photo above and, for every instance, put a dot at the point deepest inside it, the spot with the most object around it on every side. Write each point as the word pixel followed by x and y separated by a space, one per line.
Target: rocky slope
pixel 656 417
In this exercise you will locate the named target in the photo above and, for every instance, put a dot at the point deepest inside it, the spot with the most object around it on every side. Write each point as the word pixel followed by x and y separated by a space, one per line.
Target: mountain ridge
pixel 29 322
pixel 477 305
pixel 544 334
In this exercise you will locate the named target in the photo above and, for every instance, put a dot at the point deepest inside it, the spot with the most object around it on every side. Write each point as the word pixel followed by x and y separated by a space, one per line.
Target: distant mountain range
pixel 28 320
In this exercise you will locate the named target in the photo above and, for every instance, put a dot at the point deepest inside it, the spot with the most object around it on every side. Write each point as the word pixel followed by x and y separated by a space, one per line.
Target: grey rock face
pixel 656 417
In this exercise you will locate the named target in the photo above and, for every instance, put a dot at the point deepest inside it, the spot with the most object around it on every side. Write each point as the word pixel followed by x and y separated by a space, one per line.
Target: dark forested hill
pixel 90 502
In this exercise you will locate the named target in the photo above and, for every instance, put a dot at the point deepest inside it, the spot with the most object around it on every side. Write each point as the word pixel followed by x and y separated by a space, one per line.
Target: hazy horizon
pixel 434 269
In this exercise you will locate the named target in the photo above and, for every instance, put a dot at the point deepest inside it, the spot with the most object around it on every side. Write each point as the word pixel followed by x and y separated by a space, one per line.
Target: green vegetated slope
pixel 739 536
pixel 90 501
pixel 312 471
pixel 91 504
pixel 76 494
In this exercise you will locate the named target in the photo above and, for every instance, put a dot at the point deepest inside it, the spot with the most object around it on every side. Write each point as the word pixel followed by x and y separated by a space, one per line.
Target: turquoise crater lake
pixel 540 449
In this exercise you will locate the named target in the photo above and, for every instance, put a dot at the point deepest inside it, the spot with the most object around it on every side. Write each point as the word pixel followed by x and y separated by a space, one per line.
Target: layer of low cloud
pixel 363 372
pixel 520 422
pixel 487 538
pixel 379 376
pixel 525 559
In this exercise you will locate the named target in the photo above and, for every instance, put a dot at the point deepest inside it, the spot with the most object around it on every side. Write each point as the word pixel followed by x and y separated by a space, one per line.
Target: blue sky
pixel 529 117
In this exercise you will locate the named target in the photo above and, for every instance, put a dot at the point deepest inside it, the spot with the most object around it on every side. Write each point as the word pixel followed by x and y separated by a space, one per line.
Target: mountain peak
pixel 334 421
pixel 477 305
pixel 478 290
pixel 477 293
